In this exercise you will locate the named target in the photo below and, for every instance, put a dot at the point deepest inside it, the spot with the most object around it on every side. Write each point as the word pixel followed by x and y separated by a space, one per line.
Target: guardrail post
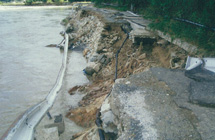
pixel 49 115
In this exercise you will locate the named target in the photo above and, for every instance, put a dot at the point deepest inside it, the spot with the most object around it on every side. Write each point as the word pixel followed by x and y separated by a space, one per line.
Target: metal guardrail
pixel 23 128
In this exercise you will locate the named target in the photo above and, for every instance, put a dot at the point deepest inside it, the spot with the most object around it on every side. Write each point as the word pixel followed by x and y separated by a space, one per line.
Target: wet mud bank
pixel 144 102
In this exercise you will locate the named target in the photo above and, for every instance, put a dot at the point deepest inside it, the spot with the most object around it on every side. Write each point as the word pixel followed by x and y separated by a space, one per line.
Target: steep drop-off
pixel 100 33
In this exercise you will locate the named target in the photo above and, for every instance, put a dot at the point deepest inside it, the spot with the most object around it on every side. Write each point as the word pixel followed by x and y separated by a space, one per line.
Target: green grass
pixel 119 8
pixel 204 39
pixel 11 4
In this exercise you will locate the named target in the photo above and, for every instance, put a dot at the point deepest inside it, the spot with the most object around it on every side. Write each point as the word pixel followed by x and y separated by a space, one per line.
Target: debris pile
pixel 102 32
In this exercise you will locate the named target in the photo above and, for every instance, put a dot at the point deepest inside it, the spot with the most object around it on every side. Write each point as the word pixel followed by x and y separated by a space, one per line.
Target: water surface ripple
pixel 28 70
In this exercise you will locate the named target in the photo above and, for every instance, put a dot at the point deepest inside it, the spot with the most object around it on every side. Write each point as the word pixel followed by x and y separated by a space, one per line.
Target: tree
pixel 28 2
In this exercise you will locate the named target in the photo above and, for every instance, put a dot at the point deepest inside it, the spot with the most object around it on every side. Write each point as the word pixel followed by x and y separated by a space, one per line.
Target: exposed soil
pixel 105 38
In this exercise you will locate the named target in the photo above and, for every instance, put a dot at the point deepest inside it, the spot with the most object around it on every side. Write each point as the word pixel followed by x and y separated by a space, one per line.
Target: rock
pixel 93 58
pixel 105 50
pixel 200 74
pixel 102 60
pixel 59 123
pixel 109 55
pixel 162 42
pixel 69 29
pixel 100 57
pixel 92 67
pixel 108 122
pixel 107 61
pixel 85 52
pixel 143 108
pixel 94 76
pixel 100 48
pixel 71 46
pixel 89 71
pixel 173 54
pixel 107 27
pixel 97 67
pixel 202 117
pixel 114 40
pixel 175 63
pixel 202 93
pixel 107 118
pixel 141 57
pixel 105 106
pixel 107 72
pixel 62 33
pixel 127 28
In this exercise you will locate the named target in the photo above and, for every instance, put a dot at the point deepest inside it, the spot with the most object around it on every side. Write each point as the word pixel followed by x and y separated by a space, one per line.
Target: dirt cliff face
pixel 102 35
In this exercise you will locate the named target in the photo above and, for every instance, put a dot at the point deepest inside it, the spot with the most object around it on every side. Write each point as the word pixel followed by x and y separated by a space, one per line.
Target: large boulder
pixel 89 71
pixel 202 93
pixel 108 118
pixel 155 105
pixel 92 67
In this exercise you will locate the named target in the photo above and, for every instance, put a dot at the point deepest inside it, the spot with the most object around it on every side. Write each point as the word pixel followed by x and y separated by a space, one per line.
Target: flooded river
pixel 28 69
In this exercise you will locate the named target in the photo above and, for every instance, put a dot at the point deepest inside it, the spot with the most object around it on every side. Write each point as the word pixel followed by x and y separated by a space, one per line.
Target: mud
pixel 102 35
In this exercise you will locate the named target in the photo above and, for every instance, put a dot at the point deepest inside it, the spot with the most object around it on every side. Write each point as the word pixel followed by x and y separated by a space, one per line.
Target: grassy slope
pixel 203 38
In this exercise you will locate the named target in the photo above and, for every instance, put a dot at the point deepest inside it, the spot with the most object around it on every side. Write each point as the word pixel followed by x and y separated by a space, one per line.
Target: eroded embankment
pixel 102 32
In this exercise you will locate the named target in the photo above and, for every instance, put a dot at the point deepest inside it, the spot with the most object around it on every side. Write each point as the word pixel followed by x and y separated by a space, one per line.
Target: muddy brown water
pixel 28 69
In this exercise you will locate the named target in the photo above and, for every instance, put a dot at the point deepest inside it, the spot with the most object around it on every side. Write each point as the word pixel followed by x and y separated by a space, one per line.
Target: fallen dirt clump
pixel 74 89
pixel 86 116
pixel 103 39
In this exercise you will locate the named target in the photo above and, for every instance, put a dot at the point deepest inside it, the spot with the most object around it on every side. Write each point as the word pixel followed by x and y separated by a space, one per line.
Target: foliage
pixel 58 1
pixel 198 10
pixel 38 2
pixel 44 1
pixel 28 2
pixel 49 1
pixel 162 12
